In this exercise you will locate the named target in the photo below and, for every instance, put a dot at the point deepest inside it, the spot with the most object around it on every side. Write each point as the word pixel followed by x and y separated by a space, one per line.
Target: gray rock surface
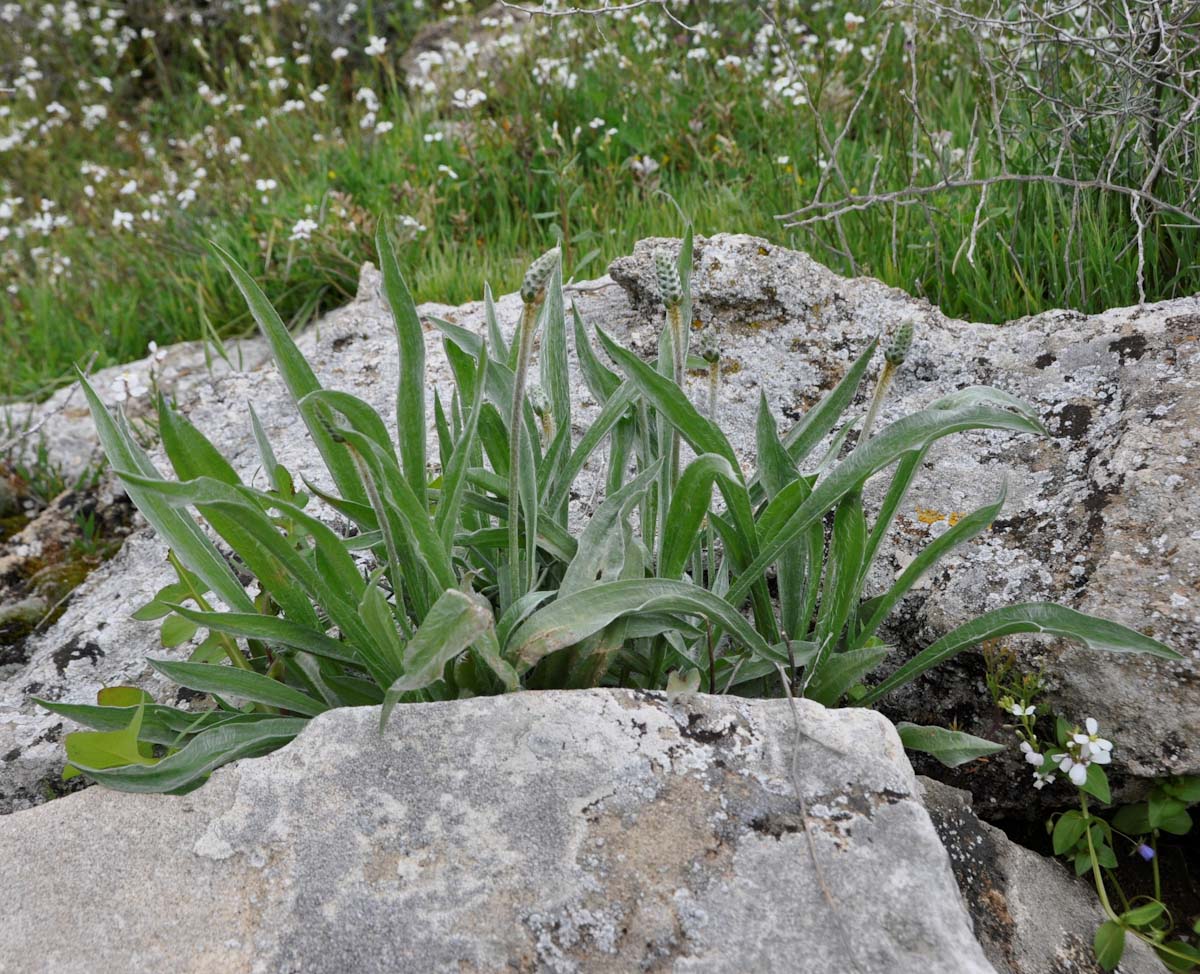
pixel 1032 916
pixel 1103 515
pixel 583 831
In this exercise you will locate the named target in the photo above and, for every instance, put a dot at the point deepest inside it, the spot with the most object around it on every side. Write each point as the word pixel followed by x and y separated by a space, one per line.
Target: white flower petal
pixel 1078 775
pixel 1091 725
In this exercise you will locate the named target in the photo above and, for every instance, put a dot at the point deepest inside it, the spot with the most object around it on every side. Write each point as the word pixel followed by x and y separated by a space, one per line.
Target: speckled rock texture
pixel 1031 915
pixel 574 831
pixel 1103 515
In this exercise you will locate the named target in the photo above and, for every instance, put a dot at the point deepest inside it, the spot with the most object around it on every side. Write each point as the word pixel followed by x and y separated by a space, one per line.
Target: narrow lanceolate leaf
pixel 454 474
pixel 1033 617
pixel 601 381
pixel 496 341
pixel 843 569
pixel 455 621
pixel 175 527
pixel 969 527
pixel 207 751
pixel 410 392
pixel 569 620
pixel 669 400
pixel 972 409
pixel 823 417
pixel 614 410
pixel 297 375
pixel 552 360
pixel 266 453
pixel 160 725
pixel 190 452
pixel 245 684
pixel 950 747
pixel 271 629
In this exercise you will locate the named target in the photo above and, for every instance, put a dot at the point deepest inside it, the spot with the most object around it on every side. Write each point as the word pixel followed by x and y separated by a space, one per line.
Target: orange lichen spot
pixel 955 517
pixel 927 515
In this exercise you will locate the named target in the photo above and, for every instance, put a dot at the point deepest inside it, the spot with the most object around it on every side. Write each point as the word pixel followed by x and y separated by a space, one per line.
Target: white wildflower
pixel 303 229
pixel 375 46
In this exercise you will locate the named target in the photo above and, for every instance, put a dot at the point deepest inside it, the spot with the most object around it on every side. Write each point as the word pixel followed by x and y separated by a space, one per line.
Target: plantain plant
pixel 472 581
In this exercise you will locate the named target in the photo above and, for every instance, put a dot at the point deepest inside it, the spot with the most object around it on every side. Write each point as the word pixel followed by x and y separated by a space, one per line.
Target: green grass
pixel 716 143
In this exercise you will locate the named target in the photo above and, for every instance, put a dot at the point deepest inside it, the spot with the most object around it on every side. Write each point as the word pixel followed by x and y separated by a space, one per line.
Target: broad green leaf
pixel 1068 830
pixel 569 620
pixel 1034 617
pixel 410 340
pixel 208 750
pixel 297 374
pixel 950 747
pixel 1143 915
pixel 175 631
pixel 455 621
pixel 1097 786
pixel 691 502
pixel 601 551
pixel 106 749
pixel 836 673
pixel 1109 944
pixel 246 684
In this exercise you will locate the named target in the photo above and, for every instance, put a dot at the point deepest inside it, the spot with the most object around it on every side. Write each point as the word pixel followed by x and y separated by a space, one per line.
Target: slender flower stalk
pixel 533 293
pixel 671 289
pixel 893 358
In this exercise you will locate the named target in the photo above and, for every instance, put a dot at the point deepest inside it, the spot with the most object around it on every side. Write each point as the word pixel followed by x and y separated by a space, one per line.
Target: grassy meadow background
pixel 281 129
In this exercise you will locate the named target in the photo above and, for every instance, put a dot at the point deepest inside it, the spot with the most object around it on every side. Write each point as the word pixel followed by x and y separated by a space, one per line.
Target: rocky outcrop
pixel 1103 515
pixel 1031 915
pixel 581 831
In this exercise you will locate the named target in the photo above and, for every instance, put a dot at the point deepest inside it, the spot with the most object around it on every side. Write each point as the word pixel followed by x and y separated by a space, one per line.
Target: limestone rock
pixel 570 831
pixel 1031 915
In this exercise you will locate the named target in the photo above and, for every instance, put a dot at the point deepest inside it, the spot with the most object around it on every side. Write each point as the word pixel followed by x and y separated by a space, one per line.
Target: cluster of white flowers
pixel 1085 748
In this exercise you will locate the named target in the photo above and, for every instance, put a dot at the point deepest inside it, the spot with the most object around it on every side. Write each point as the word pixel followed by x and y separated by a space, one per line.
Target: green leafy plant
pixel 1079 755
pixel 473 583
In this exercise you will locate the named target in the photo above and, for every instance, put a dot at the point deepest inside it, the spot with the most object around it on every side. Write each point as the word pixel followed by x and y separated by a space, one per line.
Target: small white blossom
pixel 303 230
pixel 128 386
pixel 464 98
pixel 447 171
pixel 375 46
pixel 1032 756
pixel 1018 711
pixel 122 220
pixel 338 53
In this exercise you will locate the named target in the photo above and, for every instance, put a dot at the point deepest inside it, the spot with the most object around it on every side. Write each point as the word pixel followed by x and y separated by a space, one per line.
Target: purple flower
pixel 1145 852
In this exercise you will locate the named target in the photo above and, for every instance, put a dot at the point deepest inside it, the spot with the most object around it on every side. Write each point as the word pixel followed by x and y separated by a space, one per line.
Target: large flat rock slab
pixel 568 831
